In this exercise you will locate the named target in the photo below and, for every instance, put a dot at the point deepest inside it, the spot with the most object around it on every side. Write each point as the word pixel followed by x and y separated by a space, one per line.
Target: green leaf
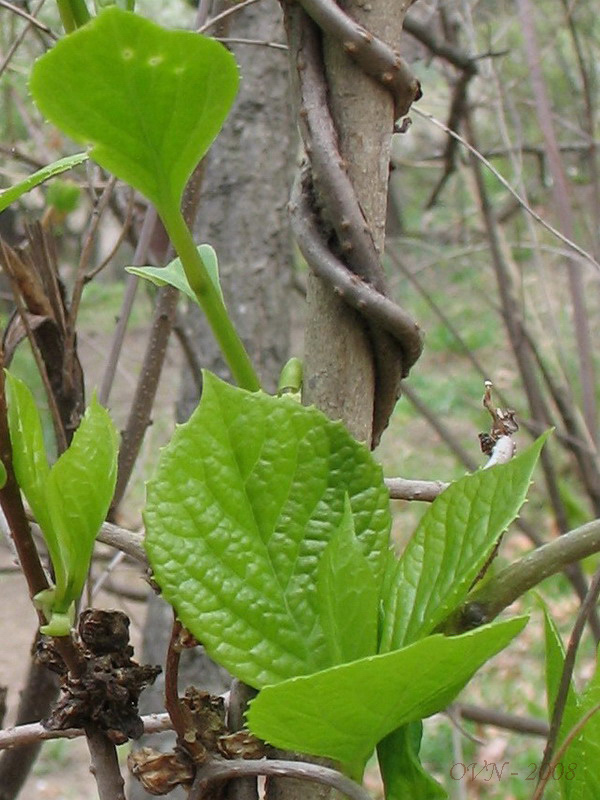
pixel 78 493
pixel 401 769
pixel 3 475
pixel 555 659
pixel 348 596
pixel 174 274
pixel 451 544
pixel 583 755
pixel 30 461
pixel 150 101
pixel 246 497
pixel 9 196
pixel 343 712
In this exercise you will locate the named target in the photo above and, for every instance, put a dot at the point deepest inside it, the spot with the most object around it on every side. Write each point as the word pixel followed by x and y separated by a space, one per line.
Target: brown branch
pixel 220 770
pixel 403 489
pixel 374 56
pixel 438 47
pixel 29 17
pixel 131 283
pixel 23 735
pixel 359 294
pixel 104 766
pixel 502 719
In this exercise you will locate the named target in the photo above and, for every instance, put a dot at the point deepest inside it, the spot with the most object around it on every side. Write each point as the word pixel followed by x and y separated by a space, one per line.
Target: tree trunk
pixel 340 378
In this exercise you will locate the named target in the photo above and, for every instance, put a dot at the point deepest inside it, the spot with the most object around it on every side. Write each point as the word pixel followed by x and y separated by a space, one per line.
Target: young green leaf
pixel 343 712
pixel 30 460
pixel 348 597
pixel 150 101
pixel 174 274
pixel 8 196
pixel 401 769
pixel 78 492
pixel 450 546
pixel 246 497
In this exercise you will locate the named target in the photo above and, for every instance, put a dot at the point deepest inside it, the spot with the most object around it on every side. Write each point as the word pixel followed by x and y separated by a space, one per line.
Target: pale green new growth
pixel 150 102
pixel 174 274
pixel 70 499
pixel 344 711
pixel 246 498
pixel 8 196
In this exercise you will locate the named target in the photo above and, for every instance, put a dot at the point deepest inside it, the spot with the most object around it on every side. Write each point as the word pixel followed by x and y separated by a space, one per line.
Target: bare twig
pixel 21 12
pixel 123 233
pixel 257 42
pixel 19 39
pixel 105 766
pixel 35 732
pixel 478 155
pixel 224 14
pixel 502 719
pixel 403 489
pixel 560 190
pixel 131 283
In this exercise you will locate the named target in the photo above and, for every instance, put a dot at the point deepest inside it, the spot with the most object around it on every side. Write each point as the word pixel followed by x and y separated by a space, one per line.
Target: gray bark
pixel 243 215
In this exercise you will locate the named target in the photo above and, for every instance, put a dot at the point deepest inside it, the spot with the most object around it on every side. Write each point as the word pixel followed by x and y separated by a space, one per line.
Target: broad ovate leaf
pixel 343 712
pixel 78 492
pixel 348 596
pixel 450 546
pixel 149 100
pixel 174 274
pixel 246 497
pixel 8 196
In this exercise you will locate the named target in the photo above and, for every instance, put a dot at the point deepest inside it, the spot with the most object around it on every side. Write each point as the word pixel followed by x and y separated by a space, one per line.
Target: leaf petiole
pixel 209 298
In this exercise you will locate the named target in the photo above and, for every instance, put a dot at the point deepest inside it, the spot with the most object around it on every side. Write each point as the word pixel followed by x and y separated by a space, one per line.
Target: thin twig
pixel 35 732
pixel 224 14
pixel 29 17
pixel 123 233
pixel 526 207
pixel 502 719
pixel 257 42
pixel 131 283
pixel 404 489
pixel 19 39
pixel 80 278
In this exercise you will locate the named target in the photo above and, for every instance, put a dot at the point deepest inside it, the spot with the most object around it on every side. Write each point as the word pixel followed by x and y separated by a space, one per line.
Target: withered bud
pixel 158 772
pixel 241 744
